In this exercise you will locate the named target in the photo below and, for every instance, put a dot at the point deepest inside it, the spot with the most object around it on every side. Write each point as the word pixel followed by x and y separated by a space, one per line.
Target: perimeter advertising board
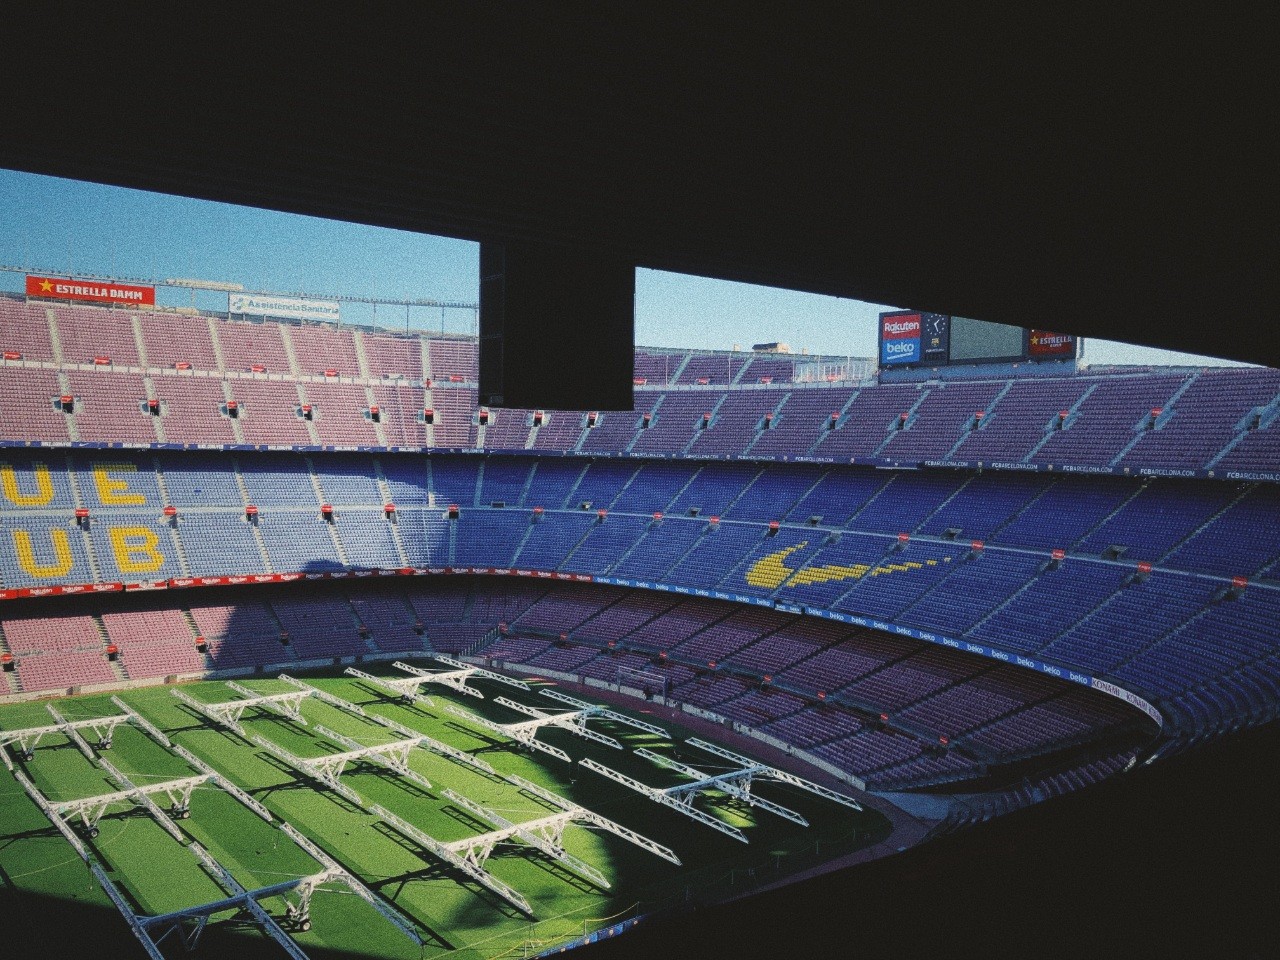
pixel 1041 344
pixel 293 307
pixel 93 291
pixel 899 338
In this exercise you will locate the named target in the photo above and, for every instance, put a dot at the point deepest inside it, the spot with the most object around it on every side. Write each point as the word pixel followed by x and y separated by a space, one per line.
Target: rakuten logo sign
pixel 901 327
pixel 899 338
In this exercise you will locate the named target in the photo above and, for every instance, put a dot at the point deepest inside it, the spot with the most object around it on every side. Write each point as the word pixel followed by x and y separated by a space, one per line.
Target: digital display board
pixel 983 340
pixel 911 337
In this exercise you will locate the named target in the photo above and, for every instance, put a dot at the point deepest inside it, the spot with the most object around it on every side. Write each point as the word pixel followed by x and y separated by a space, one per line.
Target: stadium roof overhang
pixel 1101 182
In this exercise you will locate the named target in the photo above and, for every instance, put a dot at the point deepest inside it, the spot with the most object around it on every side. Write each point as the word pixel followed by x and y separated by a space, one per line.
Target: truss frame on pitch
pixel 406 688
pixel 736 783
pixel 91 810
pixel 424 742
pixel 228 713
pixel 328 769
pixel 324 695
pixel 29 738
pixel 457 678
pixel 544 833
pixel 402 688
pixel 525 732
pixel 189 923
pixel 596 710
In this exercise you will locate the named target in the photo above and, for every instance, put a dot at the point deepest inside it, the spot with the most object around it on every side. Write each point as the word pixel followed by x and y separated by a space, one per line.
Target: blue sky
pixel 47 223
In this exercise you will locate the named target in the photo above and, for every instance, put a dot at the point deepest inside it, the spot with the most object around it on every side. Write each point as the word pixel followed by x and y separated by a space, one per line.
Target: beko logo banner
pixel 899 338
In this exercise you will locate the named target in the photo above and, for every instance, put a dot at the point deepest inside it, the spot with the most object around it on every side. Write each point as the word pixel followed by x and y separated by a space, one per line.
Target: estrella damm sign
pixel 94 291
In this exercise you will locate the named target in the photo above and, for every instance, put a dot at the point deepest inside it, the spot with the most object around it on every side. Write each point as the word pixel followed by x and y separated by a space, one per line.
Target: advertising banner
pixel 294 307
pixel 94 291
pixel 899 338
pixel 1048 345
pixel 60 590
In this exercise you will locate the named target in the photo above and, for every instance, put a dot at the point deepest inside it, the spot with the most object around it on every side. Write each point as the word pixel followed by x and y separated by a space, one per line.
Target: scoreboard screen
pixel 982 340
pixel 911 338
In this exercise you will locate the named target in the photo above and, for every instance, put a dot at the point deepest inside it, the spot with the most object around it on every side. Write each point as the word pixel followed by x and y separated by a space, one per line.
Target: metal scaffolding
pixel 219 780
pixel 595 710
pixel 525 732
pixel 228 713
pixel 393 756
pixel 29 738
pixel 461 672
pixel 544 833
pixel 141 722
pixel 735 783
pixel 445 852
pixel 91 810
pixel 319 694
pixel 406 688
pixel 403 688
pixel 190 923
pixel 424 742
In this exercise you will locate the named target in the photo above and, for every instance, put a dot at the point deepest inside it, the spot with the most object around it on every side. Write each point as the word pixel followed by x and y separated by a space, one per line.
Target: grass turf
pixel 457 916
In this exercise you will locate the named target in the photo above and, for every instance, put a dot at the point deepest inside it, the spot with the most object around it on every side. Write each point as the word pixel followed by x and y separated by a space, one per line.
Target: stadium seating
pixel 109 407
pixel 1205 418
pixel 191 410
pixel 454 359
pixel 391 356
pixel 24 329
pixel 62 672
pixel 560 430
pixel 767 369
pixel 675 421
pixel 245 346
pixel 658 369
pixel 1022 419
pixel 942 418
pixel 721 440
pixel 341 414
pixel 718 369
pixel 1003 594
pixel 170 340
pixel 31 405
pixel 1099 418
pixel 269 412
pixel 320 349
pixel 801 422
pixel 88 334
pixel 508 429
pixel 1108 420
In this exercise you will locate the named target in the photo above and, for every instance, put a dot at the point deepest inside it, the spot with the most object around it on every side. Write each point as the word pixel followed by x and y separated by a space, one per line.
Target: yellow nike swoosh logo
pixel 770 572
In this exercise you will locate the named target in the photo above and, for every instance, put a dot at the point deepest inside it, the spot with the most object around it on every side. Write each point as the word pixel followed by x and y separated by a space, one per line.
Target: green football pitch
pixel 452 913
